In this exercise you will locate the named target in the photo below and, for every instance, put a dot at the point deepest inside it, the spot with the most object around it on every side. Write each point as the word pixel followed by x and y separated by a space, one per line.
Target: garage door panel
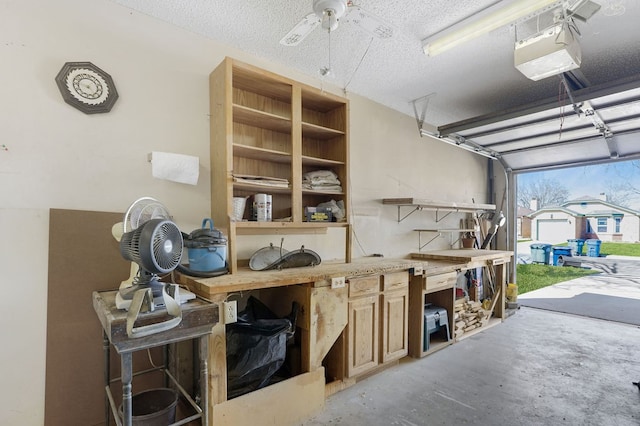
pixel 554 231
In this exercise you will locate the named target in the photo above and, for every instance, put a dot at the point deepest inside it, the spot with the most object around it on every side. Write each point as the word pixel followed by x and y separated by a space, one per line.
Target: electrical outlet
pixel 230 311
pixel 337 282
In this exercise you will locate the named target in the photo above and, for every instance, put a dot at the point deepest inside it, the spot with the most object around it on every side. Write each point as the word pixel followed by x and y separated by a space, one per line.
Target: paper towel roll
pixel 175 167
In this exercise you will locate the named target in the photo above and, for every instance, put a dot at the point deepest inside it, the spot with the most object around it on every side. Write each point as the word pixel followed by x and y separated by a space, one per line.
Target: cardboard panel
pixel 83 257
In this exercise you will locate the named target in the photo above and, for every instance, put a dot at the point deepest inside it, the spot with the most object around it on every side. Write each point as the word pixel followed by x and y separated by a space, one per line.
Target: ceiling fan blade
pixel 301 30
pixel 370 23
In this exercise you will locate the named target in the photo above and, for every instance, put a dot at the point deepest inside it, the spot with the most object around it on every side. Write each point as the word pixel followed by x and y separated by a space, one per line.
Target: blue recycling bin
pixel 576 246
pixel 593 248
pixel 540 253
pixel 560 251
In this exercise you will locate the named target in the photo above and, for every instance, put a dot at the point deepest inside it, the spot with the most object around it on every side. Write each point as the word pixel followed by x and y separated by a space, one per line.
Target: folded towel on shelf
pixel 321 174
pixel 322 180
pixel 330 188
pixel 261 180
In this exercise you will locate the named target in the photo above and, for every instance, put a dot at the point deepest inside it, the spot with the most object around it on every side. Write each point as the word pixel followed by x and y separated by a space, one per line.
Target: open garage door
pixel 584 126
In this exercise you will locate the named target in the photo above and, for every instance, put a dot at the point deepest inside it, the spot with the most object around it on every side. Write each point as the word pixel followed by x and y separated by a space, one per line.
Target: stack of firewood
pixel 468 316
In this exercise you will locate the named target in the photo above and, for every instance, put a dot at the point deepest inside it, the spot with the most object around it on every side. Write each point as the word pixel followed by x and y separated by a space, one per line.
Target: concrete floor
pixel 536 368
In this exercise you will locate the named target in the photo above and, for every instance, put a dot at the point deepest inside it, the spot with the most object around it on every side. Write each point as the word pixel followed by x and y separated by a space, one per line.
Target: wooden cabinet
pixel 395 316
pixel 378 321
pixel 362 335
pixel 267 126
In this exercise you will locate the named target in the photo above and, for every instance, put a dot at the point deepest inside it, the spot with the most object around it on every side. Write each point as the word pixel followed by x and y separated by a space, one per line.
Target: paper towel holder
pixel 174 167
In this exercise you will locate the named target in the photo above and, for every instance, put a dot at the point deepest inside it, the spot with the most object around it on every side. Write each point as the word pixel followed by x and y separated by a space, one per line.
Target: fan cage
pixel 156 246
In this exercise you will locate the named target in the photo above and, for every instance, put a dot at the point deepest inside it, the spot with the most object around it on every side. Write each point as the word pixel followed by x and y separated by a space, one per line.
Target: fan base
pixel 125 295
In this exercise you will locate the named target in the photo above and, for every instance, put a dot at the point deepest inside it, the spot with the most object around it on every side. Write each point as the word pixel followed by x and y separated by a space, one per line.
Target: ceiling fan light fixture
pixel 329 20
pixel 330 12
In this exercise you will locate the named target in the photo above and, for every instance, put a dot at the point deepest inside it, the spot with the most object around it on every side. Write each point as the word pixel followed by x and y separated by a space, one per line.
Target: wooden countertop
pixel 320 275
pixel 463 255
pixel 441 261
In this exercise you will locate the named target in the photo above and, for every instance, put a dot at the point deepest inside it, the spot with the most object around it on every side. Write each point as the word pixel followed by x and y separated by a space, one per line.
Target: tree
pixel 548 192
pixel 621 194
pixel 623 190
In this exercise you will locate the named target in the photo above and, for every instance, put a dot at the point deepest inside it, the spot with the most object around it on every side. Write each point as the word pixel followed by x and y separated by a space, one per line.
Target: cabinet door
pixel 394 325
pixel 362 335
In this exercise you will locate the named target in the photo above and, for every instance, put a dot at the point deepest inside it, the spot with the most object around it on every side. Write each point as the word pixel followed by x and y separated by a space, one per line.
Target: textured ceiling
pixel 474 79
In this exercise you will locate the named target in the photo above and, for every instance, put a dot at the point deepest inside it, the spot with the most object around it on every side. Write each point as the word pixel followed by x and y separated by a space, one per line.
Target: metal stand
pixel 199 317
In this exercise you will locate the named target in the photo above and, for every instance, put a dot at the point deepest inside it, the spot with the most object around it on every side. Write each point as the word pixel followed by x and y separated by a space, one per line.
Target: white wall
pixel 58 157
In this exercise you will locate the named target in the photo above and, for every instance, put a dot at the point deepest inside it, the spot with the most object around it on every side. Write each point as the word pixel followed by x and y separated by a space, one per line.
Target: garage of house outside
pixel 585 218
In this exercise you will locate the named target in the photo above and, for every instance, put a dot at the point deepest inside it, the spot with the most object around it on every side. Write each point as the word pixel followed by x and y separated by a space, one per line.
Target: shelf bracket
pixel 443 217
pixel 400 219
pixel 420 245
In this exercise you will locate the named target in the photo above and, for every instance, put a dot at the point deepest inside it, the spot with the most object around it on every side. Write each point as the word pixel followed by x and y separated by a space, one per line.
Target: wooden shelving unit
pixel 263 124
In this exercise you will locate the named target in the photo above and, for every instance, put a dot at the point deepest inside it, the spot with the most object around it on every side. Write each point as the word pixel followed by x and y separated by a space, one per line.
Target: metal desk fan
pixel 154 243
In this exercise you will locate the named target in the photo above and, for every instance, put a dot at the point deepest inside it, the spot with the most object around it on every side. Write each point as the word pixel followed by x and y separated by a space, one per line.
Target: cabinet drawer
pixel 362 286
pixel 395 280
pixel 440 281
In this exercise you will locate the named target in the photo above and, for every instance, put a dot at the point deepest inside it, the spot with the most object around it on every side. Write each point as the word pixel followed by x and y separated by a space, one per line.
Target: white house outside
pixel 585 218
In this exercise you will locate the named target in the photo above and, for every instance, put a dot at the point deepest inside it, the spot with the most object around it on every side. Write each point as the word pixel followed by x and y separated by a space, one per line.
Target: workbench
pixel 198 318
pixel 322 319
pixel 346 333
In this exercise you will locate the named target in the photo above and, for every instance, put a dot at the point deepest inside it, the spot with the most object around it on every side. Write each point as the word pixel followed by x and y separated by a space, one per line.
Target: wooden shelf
pixel 250 79
pixel 262 119
pixel 319 132
pixel 445 230
pixel 417 204
pixel 251 226
pixel 321 162
pixel 439 205
pixel 318 192
pixel 257 153
pixel 243 186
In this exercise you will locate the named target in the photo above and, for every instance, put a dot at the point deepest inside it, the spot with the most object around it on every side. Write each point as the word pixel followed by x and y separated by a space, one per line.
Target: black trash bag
pixel 256 347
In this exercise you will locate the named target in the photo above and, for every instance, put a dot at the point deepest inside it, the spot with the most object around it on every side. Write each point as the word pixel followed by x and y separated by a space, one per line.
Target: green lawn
pixel 622 249
pixel 534 276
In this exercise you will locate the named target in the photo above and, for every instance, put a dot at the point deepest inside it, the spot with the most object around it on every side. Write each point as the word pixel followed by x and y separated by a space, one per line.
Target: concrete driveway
pixel 613 294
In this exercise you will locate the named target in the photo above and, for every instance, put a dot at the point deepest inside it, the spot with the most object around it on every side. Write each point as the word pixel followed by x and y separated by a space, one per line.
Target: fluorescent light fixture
pixel 477 26
pixel 548 53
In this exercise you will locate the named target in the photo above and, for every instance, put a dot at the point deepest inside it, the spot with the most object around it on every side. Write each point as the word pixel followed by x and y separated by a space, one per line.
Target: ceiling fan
pixel 329 13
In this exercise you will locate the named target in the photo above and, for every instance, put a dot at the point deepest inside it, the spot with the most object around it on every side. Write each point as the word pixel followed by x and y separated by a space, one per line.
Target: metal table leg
pixel 107 374
pixel 203 351
pixel 127 376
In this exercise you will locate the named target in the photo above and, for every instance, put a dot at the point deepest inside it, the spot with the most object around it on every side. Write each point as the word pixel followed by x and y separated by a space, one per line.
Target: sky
pixel 590 180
